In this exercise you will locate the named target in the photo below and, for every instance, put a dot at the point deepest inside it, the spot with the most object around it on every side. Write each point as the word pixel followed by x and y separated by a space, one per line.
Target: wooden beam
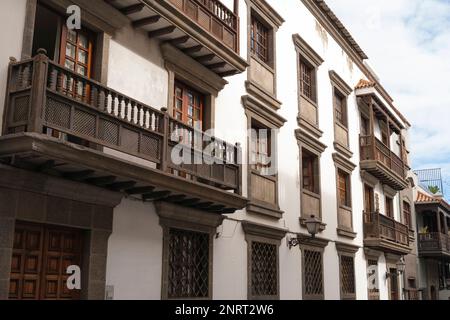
pixel 179 40
pixel 205 58
pixel 79 175
pixel 46 165
pixel 203 205
pixel 140 190
pixel 189 202
pixel 229 210
pixel 135 8
pixel 157 195
pixel 227 73
pixel 218 65
pixel 161 32
pixel 192 49
pixel 145 21
pixel 175 198
pixel 119 186
pixel 101 181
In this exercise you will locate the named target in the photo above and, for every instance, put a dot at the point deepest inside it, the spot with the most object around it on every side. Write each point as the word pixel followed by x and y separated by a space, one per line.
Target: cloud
pixel 408 43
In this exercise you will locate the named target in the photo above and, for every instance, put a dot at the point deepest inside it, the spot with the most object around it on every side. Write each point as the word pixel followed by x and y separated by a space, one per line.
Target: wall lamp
pixel 401 266
pixel 312 225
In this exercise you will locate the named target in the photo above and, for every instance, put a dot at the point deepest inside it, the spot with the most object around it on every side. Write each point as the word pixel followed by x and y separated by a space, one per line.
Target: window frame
pixel 306 68
pixel 255 145
pixel 339 96
pixel 348 201
pixel 319 250
pixel 199 104
pixel 389 207
pixel 346 295
pixel 263 39
pixel 407 214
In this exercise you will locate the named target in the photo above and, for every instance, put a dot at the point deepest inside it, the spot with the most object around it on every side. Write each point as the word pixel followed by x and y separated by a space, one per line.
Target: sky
pixel 408 44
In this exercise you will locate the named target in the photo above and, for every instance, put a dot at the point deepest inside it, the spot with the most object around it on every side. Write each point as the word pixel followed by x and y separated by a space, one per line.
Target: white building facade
pixel 147 229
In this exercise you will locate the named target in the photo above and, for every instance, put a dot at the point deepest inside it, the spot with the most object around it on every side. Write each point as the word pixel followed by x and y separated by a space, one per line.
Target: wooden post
pixel 388 123
pixel 166 139
pixel 236 12
pixel 38 91
pixel 372 129
pixel 238 162
pixel 7 107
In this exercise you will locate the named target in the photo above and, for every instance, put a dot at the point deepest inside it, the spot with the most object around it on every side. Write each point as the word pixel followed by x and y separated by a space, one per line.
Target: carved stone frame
pixel 304 51
pixel 348 250
pixel 312 244
pixel 317 148
pixel 271 120
pixel 174 216
pixel 340 86
pixel 268 16
pixel 255 232
pixel 184 68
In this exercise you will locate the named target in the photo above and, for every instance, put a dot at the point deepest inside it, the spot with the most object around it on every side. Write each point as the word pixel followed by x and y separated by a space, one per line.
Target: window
pixel 368 199
pixel 347 277
pixel 407 214
pixel 389 207
pixel 259 40
pixel 260 147
pixel 76 51
pixel 307 80
pixel 365 126
pixel 312 274
pixel 264 270
pixel 340 108
pixel 344 188
pixel 188 259
pixel 384 133
pixel 188 105
pixel 310 171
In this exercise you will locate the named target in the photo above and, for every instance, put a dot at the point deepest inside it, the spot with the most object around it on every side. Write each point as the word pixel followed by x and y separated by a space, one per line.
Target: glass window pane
pixel 72 36
pixel 179 104
pixel 70 50
pixel 83 57
pixel 190 111
pixel 83 41
pixel 81 70
pixel 178 92
pixel 69 64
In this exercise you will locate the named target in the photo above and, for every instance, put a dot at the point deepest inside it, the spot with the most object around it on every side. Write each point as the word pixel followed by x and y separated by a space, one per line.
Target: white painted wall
pixel 11 35
pixel 135 252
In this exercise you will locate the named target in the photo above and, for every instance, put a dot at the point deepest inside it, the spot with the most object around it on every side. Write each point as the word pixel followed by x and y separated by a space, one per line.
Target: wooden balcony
pixel 385 234
pixel 206 30
pixel 60 123
pixel 434 244
pixel 381 162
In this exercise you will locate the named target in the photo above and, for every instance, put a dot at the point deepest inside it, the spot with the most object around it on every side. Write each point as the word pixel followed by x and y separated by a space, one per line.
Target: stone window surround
pixel 270 119
pixel 317 148
pixel 339 85
pixel 304 51
pixel 96 15
pixel 265 234
pixel 312 244
pixel 77 205
pixel 185 69
pixel 343 164
pixel 174 216
pixel 267 15
pixel 345 249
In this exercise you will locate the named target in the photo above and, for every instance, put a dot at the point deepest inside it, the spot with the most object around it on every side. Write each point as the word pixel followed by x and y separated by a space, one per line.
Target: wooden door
pixel 41 255
pixel 188 105
pixel 393 284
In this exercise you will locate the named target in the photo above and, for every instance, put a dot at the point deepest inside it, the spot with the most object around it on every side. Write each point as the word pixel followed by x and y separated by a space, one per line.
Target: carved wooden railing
pixel 434 241
pixel 377 225
pixel 213 16
pixel 373 149
pixel 43 96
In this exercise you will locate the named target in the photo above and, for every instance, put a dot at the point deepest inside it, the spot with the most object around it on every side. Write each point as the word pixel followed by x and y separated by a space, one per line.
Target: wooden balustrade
pixel 213 16
pixel 43 96
pixel 434 242
pixel 372 148
pixel 380 226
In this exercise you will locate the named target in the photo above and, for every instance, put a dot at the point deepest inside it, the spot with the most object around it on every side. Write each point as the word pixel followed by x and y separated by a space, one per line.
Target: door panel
pixel 40 259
